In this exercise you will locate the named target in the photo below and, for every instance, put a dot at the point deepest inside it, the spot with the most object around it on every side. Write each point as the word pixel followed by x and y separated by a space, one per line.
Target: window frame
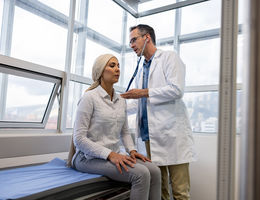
pixel 25 69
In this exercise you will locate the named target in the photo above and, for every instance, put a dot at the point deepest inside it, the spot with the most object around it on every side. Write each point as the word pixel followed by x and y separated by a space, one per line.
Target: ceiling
pixel 131 6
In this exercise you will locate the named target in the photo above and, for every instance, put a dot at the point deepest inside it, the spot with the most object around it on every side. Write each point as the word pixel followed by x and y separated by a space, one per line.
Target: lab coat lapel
pixel 154 63
pixel 139 76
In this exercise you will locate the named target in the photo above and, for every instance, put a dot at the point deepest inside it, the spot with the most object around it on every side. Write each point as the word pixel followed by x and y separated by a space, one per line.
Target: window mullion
pixel 65 84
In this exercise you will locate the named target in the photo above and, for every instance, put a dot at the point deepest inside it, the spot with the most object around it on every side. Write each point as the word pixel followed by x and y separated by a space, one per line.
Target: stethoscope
pixel 136 69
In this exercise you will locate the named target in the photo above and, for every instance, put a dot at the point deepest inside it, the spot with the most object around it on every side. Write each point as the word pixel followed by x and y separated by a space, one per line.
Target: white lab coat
pixel 170 133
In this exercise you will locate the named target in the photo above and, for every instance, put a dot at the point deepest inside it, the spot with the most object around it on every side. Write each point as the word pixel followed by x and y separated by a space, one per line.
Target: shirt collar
pixel 150 60
pixel 104 94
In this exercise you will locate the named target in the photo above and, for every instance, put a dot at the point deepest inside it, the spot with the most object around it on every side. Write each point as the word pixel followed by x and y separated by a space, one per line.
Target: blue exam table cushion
pixel 21 182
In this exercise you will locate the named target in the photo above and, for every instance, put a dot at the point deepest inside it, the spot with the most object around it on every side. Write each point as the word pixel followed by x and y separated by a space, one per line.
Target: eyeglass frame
pixel 133 40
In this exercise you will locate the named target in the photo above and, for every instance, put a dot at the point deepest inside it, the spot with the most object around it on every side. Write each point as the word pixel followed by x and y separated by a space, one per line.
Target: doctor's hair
pixel 144 29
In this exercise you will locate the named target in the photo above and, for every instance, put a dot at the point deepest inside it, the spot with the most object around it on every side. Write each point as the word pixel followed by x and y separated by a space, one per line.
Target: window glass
pixel 203 111
pixel 131 21
pixel 148 5
pixel 162 23
pixel 130 66
pixel 241 11
pixel 166 47
pixel 63 7
pixel 1 13
pixel 239 111
pixel 53 118
pixel 32 42
pixel 202 62
pixel 240 57
pixel 105 17
pixel 92 51
pixel 75 93
pixel 26 99
pixel 201 16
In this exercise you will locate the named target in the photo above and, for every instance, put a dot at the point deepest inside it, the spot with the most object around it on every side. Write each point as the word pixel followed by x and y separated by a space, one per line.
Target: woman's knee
pixel 154 170
pixel 141 173
pixel 155 173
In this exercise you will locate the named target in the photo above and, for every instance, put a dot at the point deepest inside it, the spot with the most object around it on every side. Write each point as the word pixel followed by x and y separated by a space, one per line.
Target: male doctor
pixel 162 119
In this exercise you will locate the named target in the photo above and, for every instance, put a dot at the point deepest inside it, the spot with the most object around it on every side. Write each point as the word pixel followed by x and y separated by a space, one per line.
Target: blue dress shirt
pixel 144 131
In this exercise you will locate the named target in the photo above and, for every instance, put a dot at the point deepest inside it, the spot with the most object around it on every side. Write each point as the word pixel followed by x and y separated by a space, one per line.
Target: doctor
pixel 162 119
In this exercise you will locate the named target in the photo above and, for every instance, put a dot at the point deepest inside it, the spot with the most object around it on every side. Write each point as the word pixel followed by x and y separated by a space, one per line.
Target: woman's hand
pixel 121 160
pixel 134 154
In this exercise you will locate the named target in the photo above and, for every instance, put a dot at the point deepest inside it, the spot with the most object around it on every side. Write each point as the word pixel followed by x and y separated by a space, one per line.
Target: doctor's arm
pixel 135 94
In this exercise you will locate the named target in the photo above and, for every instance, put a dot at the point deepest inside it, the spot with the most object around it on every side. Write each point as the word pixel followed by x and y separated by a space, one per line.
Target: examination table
pixel 54 180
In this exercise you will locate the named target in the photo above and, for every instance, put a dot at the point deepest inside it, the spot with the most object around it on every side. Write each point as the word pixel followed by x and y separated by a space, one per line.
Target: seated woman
pixel 101 121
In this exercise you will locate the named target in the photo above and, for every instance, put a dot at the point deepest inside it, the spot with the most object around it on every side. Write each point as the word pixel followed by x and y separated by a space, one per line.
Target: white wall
pixel 203 172
pixel 33 148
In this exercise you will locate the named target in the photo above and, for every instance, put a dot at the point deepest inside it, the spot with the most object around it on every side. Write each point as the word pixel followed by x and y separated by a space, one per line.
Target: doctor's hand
pixel 134 154
pixel 135 94
pixel 121 161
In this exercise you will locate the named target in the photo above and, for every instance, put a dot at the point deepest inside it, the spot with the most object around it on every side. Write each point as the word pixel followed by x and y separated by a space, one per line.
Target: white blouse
pixel 100 124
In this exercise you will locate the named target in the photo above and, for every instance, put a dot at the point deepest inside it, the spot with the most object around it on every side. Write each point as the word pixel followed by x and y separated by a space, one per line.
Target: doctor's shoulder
pixel 173 56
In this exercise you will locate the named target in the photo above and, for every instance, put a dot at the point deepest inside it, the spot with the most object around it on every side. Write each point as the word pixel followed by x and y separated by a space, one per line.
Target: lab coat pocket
pixel 163 148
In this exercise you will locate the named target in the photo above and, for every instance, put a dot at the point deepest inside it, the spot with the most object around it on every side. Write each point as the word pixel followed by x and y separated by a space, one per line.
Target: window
pixel 76 91
pixel 92 51
pixel 105 16
pixel 131 21
pixel 52 122
pixel 162 30
pixel 31 41
pixel 200 17
pixel 1 12
pixel 63 7
pixel 203 111
pixel 240 57
pixel 130 65
pixel 26 97
pixel 202 62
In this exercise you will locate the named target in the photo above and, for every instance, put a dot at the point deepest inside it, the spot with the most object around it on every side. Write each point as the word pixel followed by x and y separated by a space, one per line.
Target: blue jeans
pixel 145 177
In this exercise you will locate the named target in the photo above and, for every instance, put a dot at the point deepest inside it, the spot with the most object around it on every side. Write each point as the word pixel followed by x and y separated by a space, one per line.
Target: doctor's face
pixel 136 41
pixel 111 72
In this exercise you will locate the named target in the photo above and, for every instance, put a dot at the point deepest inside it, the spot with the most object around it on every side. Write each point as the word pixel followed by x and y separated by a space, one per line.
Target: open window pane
pixel 26 99
pixel 53 118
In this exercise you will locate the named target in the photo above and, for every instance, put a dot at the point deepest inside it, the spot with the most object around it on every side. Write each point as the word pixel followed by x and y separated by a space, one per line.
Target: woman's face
pixel 111 72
